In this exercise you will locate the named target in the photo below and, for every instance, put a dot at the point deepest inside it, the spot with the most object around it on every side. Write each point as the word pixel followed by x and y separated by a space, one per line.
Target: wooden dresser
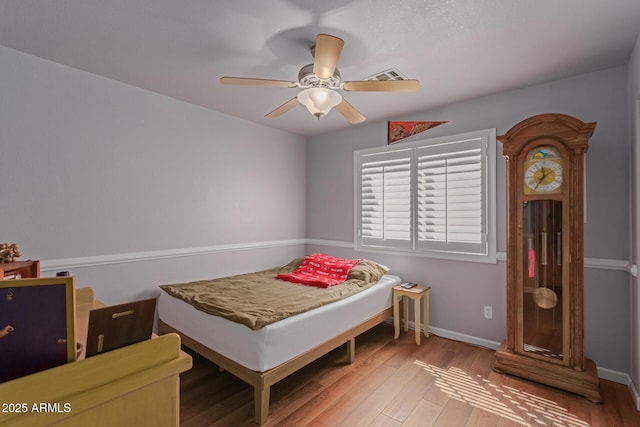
pixel 20 270
pixel 134 385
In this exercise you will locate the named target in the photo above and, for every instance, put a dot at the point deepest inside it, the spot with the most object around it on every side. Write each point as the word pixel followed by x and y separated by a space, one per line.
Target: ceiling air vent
pixel 390 74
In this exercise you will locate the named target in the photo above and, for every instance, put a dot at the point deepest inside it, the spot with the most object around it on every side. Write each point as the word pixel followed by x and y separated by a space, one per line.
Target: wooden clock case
pixel 555 262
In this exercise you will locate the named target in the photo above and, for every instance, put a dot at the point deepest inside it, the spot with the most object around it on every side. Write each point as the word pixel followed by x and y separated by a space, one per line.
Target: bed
pixel 265 355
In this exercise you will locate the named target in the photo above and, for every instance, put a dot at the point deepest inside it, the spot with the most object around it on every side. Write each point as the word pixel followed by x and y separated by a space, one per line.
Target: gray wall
pixel 461 289
pixel 90 167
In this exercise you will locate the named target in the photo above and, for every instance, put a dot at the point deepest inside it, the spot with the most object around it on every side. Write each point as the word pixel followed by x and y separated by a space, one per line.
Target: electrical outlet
pixel 488 312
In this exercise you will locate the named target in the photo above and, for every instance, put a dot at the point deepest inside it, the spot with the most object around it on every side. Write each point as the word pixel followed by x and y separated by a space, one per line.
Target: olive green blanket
pixel 258 299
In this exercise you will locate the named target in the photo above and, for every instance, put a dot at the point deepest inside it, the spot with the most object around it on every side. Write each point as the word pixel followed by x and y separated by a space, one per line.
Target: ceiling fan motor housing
pixel 307 78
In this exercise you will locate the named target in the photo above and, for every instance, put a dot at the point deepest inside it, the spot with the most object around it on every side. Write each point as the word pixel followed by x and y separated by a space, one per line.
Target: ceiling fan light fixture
pixel 319 100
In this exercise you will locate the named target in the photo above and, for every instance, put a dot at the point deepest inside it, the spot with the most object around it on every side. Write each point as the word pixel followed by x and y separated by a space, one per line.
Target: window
pixel 434 197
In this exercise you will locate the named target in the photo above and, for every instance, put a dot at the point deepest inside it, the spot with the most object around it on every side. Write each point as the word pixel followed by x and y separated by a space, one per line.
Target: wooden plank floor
pixel 397 383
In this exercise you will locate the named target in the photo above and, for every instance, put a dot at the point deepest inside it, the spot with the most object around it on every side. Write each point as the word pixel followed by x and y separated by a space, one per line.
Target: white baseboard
pixel 469 339
pixel 615 376
pixel 634 394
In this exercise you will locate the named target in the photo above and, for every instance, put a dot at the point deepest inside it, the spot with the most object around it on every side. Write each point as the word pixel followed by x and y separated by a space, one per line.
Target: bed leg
pixel 261 403
pixel 351 350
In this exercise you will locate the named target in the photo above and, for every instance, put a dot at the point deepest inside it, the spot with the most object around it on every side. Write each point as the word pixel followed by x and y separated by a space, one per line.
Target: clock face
pixel 543 171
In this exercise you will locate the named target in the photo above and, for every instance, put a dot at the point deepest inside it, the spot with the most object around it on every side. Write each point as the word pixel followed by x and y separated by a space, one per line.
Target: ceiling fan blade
pixel 283 108
pixel 327 52
pixel 382 86
pixel 256 82
pixel 349 112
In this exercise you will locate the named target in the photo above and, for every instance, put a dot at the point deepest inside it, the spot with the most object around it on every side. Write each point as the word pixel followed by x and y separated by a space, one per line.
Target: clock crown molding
pixel 555 126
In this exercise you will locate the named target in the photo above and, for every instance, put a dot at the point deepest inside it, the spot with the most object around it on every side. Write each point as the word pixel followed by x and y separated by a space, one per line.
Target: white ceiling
pixel 458 49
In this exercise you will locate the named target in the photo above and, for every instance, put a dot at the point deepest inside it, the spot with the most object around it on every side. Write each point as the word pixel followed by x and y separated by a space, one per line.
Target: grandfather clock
pixel 545 254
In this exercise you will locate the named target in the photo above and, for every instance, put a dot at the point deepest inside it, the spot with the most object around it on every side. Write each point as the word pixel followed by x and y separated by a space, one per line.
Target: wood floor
pixel 397 383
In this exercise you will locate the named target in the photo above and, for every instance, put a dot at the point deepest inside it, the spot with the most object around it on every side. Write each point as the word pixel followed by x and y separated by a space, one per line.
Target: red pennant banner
pixel 401 130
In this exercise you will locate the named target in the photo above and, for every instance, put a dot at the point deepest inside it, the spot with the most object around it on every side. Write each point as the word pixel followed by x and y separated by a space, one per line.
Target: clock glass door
pixel 542 326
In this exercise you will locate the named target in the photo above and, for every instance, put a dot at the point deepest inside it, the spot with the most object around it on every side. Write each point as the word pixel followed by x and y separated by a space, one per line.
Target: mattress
pixel 265 348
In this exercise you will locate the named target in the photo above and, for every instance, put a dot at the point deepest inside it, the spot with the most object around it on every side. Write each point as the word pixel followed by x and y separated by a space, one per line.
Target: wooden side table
pixel 416 293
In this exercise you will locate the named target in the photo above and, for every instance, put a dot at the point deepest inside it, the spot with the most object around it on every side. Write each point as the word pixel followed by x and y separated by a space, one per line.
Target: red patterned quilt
pixel 321 270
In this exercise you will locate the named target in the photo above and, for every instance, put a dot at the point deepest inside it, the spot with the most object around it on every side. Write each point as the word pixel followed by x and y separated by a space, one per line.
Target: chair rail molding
pixel 90 261
pixel 600 263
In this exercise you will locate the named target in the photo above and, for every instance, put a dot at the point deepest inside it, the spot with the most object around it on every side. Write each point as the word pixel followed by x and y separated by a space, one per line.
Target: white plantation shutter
pixel 451 197
pixel 433 197
pixel 386 207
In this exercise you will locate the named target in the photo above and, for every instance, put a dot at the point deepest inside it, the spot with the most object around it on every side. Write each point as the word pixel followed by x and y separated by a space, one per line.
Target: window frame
pixel 488 144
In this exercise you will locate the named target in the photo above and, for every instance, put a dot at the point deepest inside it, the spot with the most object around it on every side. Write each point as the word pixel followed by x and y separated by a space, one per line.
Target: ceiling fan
pixel 321 81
